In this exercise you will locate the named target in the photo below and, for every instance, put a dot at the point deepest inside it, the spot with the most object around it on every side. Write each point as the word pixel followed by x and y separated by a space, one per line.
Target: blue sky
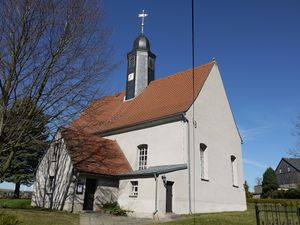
pixel 257 46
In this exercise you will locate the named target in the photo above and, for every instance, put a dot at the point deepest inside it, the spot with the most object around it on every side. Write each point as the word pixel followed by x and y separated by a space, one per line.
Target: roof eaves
pixel 152 171
pixel 143 124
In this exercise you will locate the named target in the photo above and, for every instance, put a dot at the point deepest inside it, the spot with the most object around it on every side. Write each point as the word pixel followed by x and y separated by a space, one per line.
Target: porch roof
pixel 153 170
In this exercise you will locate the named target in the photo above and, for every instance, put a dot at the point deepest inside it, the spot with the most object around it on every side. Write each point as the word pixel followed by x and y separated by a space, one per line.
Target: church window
pixel 51 183
pixel 143 149
pixel 280 171
pixel 55 151
pixel 134 188
pixel 151 63
pixel 131 62
pixel 288 169
pixel 234 171
pixel 203 162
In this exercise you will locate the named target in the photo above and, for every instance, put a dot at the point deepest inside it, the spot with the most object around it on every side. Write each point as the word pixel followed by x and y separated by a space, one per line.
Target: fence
pixel 277 214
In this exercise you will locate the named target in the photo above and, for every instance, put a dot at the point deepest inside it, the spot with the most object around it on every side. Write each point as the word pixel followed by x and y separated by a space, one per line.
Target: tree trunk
pixel 17 190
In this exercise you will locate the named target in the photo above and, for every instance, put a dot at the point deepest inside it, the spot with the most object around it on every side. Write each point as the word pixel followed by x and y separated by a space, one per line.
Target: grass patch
pixel 21 203
pixel 225 218
pixel 39 217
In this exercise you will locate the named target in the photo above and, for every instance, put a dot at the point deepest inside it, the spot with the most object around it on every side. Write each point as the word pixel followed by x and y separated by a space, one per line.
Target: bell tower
pixel 141 64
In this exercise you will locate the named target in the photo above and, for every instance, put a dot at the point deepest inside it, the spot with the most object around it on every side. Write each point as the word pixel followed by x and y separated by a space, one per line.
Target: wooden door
pixel 169 196
pixel 90 188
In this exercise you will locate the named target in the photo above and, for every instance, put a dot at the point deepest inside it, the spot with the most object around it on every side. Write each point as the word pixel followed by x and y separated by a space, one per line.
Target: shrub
pixel 292 194
pixel 6 219
pixel 288 194
pixel 246 187
pixel 278 194
pixel 114 209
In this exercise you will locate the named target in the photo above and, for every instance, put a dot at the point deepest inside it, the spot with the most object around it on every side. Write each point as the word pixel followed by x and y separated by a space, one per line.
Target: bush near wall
pixel 288 194
pixel 114 209
pixel 274 201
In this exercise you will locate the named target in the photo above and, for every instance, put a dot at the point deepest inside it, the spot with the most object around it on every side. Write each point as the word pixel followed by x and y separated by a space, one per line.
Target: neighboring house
pixel 141 147
pixel 257 191
pixel 288 173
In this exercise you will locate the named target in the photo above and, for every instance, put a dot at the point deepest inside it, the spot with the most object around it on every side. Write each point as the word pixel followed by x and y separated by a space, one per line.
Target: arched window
pixel 203 162
pixel 143 150
pixel 234 171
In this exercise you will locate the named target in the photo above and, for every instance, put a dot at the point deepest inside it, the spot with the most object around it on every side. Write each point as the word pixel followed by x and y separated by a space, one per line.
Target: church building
pixel 158 147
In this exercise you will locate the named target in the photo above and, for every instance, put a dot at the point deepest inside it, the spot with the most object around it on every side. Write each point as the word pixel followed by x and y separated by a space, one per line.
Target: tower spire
pixel 141 64
pixel 143 15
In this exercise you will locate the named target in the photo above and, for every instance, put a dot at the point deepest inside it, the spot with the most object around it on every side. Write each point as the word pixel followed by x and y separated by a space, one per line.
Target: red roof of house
pixel 164 97
pixel 93 154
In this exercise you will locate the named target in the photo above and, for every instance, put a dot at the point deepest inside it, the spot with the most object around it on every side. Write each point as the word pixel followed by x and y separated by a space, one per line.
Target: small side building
pixel 78 172
pixel 288 173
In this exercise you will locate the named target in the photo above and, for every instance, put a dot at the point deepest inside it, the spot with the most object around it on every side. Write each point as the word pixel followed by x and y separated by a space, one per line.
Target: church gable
pixel 212 105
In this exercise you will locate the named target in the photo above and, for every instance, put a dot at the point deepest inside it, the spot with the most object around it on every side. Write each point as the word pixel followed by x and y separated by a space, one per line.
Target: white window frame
pixel 142 156
pixel 235 182
pixel 203 162
pixel 134 189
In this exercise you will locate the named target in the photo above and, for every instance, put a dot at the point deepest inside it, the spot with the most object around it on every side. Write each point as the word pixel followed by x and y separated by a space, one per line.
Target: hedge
pixel 274 201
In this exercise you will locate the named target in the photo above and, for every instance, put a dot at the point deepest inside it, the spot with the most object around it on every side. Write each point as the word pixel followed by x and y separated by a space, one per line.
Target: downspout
pixel 187 137
pixel 155 177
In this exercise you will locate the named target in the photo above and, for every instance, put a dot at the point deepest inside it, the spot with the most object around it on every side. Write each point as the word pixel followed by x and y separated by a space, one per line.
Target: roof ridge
pixel 184 71
pixel 162 78
pixel 172 99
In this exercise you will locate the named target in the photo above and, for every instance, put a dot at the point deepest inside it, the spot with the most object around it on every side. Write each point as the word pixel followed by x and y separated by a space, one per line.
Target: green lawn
pixel 21 209
pixel 15 203
pixel 226 218
pixel 40 217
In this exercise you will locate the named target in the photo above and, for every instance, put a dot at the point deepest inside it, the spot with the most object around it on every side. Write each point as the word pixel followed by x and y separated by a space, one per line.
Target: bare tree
pixel 258 180
pixel 295 152
pixel 55 52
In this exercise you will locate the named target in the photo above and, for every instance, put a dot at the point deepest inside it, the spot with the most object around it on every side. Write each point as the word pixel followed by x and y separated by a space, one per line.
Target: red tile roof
pixel 94 154
pixel 168 96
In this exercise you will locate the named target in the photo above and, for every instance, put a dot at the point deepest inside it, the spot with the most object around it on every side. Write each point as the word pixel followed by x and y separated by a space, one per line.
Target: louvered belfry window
pixel 143 150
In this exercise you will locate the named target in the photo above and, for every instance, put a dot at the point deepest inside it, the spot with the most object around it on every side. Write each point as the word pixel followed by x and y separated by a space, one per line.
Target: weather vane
pixel 143 15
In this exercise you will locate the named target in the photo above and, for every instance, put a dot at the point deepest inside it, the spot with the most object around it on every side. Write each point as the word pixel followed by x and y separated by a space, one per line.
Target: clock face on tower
pixel 130 76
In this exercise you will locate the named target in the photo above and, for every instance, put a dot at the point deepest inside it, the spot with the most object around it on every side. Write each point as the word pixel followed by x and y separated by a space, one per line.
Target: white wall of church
pixel 215 127
pixel 166 146
pixel 162 141
pixel 58 193
pixel 144 204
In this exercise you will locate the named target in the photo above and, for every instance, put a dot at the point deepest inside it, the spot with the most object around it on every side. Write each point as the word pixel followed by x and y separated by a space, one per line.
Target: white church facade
pixel 155 148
